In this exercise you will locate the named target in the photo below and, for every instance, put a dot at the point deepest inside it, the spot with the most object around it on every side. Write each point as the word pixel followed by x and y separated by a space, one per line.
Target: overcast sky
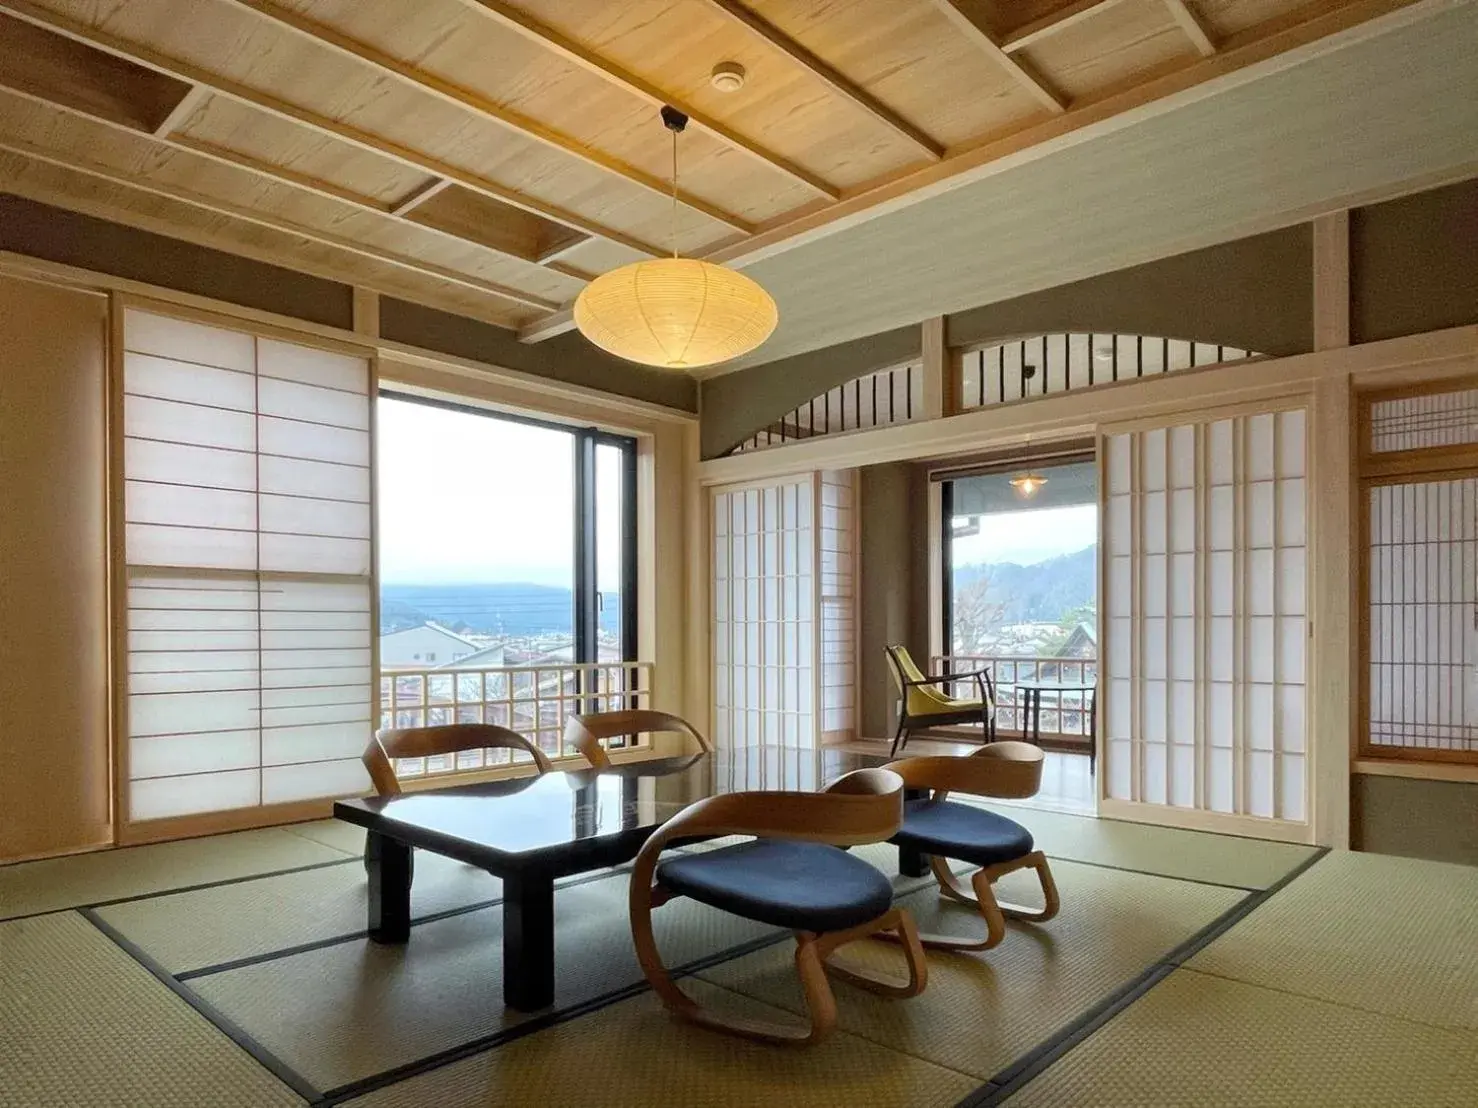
pixel 1027 537
pixel 465 498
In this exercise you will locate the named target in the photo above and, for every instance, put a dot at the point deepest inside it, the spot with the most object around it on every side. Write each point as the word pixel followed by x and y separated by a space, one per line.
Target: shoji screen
pixel 248 555
pixel 838 605
pixel 764 604
pixel 1203 592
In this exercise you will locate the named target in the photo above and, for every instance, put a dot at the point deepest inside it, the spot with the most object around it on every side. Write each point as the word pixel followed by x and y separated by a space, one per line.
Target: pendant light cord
pixel 673 236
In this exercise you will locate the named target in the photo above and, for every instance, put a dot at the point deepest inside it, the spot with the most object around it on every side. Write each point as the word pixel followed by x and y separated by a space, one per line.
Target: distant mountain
pixel 502 608
pixel 1039 593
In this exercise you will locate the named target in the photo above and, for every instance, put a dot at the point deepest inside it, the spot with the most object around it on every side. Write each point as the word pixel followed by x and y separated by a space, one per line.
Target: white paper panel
pixel 186 341
pixel 249 642
pixel 284 784
pixel 1206 630
pixel 162 797
pixel 325 480
pixel 163 379
pixel 172 755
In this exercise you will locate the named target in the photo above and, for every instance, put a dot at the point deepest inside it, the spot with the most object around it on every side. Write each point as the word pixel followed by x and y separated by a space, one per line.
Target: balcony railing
pixel 535 701
pixel 1065 715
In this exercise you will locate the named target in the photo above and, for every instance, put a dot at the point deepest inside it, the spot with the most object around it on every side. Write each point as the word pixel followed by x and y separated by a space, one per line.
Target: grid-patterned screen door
pixel 248 568
pixel 1204 585
pixel 1421 576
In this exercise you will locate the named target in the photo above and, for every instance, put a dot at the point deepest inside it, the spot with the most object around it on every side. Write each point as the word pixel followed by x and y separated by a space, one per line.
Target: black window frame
pixel 586 600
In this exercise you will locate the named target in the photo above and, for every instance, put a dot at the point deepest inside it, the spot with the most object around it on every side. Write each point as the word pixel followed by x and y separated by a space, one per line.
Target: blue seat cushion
pixel 800 885
pixel 962 831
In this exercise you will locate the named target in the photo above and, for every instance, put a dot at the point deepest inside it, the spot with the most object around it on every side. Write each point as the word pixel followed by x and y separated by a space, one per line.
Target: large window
pixel 507 570
pixel 1020 595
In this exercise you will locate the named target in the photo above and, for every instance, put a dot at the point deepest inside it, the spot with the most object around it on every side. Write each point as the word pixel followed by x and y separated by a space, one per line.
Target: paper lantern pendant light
pixel 677 313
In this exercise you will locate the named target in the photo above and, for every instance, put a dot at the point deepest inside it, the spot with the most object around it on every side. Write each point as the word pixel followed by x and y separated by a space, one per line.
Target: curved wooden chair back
pixel 585 732
pixel 863 807
pixel 429 742
pixel 1005 769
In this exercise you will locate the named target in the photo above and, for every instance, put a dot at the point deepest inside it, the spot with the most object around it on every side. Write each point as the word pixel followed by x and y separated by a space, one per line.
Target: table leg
pixel 1037 716
pixel 388 866
pixel 528 941
pixel 912 862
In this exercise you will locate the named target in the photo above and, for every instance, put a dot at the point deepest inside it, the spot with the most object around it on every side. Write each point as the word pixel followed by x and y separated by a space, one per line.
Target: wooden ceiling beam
pixel 483 108
pixel 144 56
pixel 1053 22
pixel 985 38
pixel 838 83
pixel 419 195
pixel 1192 24
pixel 140 183
pixel 188 105
pixel 571 51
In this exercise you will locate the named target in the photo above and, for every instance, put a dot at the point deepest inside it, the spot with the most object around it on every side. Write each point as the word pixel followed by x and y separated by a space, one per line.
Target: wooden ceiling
pixel 489 157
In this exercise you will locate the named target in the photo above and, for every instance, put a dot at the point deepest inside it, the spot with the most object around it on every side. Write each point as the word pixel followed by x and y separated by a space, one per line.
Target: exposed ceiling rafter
pixel 1053 22
pixel 843 86
pixel 1194 27
pixel 571 51
pixel 985 38
pixel 191 74
pixel 483 108
pixel 141 183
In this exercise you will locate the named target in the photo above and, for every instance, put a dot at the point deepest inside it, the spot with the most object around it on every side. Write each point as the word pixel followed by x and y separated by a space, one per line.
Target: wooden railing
pixel 1065 715
pixel 533 700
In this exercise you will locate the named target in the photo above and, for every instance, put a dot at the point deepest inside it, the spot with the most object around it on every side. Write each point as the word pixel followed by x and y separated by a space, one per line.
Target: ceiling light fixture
pixel 727 77
pixel 677 313
pixel 1027 485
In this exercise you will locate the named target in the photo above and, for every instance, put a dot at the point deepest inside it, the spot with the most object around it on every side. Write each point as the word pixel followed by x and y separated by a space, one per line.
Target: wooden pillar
pixel 366 312
pixel 1331 274
pixel 936 368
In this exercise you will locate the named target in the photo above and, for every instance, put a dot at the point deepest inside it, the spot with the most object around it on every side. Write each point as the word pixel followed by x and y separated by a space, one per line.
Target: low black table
pixel 529 831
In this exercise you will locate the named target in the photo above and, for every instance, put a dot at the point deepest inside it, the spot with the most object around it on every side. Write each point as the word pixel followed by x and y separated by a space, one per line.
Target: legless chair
pixel 923 705
pixel 791 876
pixel 428 742
pixel 585 732
pixel 944 829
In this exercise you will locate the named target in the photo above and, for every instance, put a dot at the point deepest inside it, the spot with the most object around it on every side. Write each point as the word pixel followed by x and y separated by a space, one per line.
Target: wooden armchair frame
pixel 1007 769
pixel 902 662
pixel 865 806
pixel 428 742
pixel 585 732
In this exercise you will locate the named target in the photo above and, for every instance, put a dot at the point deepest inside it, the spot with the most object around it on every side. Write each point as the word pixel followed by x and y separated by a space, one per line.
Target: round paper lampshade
pixel 678 313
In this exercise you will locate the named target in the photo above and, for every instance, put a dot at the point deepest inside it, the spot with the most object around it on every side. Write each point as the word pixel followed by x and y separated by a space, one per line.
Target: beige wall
pixel 54 779
pixel 892 592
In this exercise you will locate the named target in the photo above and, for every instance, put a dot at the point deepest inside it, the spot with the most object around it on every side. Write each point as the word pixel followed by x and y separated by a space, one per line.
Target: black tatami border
pixel 1007 1082
pixel 998 1089
pixel 279 1069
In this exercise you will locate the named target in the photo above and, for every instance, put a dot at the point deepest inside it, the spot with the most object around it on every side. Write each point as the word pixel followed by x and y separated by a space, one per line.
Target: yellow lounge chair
pixel 926 706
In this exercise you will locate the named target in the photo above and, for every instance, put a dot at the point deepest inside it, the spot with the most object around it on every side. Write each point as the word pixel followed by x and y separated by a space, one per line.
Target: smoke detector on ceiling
pixel 728 77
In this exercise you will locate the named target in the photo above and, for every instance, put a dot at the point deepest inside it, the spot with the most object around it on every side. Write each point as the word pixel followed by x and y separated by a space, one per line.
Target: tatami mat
pixel 634 1055
pixel 983 1010
pixel 56 883
pixel 336 833
pixel 1390 935
pixel 82 1024
pixel 207 927
pixel 341 1013
pixel 1202 1042
pixel 1168 851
